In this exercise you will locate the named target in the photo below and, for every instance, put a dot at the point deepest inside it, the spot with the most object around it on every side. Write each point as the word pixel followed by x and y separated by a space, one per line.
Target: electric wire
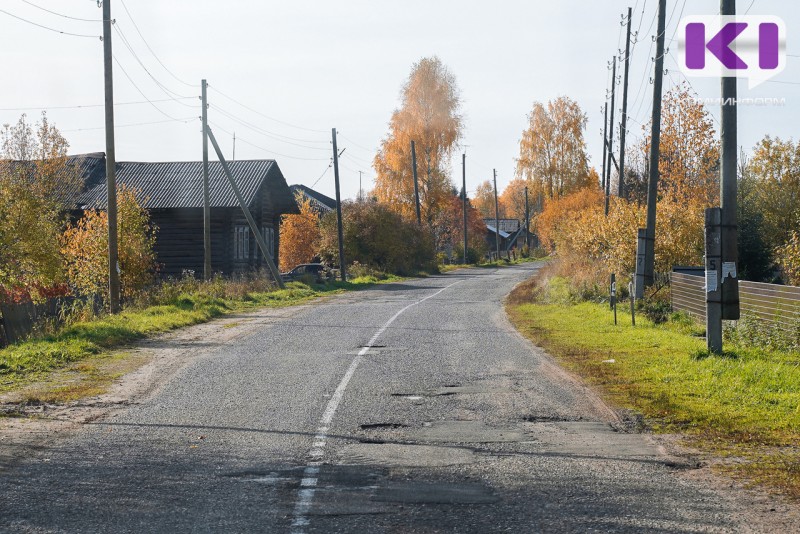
pixel 136 26
pixel 166 90
pixel 183 120
pixel 141 92
pixel 48 27
pixel 245 141
pixel 321 175
pixel 60 14
pixel 267 133
pixel 245 106
pixel 82 106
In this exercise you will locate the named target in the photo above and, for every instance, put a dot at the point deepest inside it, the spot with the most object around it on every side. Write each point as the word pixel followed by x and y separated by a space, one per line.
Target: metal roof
pixel 180 184
pixel 318 200
pixel 502 233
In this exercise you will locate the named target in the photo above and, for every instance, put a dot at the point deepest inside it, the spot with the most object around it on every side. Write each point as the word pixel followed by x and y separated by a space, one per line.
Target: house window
pixel 241 243
pixel 269 239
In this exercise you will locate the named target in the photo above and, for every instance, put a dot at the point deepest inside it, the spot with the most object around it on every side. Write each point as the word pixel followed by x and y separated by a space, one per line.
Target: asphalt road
pixel 410 407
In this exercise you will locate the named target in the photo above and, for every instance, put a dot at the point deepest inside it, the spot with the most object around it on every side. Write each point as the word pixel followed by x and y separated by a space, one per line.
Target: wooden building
pixel 320 203
pixel 172 192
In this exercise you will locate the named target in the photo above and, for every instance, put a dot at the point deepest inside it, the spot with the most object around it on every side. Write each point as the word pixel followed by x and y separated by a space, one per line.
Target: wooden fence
pixel 770 302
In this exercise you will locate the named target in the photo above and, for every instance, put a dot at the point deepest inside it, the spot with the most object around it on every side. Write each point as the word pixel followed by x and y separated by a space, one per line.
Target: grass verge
pixel 743 406
pixel 179 305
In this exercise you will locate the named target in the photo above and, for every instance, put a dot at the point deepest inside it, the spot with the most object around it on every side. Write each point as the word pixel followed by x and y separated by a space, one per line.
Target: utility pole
pixel 233 158
pixel 360 195
pixel 339 227
pixel 496 217
pixel 722 291
pixel 111 164
pixel 648 273
pixel 623 128
pixel 416 185
pixel 611 130
pixel 605 143
pixel 206 196
pixel 464 200
pixel 527 221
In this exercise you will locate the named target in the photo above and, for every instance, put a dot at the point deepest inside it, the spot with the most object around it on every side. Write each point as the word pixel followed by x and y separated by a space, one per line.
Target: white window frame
pixel 241 242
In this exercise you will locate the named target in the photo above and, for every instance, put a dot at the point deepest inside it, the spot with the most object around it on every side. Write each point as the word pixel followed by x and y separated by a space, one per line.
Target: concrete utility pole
pixel 605 143
pixel 416 184
pixel 111 164
pixel 496 217
pixel 722 284
pixel 360 195
pixel 464 200
pixel 527 221
pixel 206 195
pixel 611 130
pixel 624 126
pixel 647 276
pixel 339 227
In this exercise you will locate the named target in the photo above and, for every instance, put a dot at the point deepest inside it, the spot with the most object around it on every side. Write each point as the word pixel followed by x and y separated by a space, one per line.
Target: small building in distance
pixel 511 232
pixel 172 192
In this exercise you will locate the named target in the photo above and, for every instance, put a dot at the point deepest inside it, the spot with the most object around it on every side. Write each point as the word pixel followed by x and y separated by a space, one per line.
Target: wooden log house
pixel 172 192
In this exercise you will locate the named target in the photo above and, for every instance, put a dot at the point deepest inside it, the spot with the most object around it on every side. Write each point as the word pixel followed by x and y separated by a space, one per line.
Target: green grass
pixel 743 404
pixel 32 360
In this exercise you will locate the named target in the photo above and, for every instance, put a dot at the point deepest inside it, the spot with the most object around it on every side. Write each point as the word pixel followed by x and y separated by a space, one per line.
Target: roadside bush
pixel 84 246
pixel 378 238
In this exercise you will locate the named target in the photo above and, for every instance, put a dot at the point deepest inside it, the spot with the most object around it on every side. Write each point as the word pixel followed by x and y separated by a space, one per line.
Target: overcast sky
pixel 282 74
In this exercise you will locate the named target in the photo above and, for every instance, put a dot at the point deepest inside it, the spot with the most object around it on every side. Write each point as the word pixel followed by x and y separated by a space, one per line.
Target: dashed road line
pixel 308 482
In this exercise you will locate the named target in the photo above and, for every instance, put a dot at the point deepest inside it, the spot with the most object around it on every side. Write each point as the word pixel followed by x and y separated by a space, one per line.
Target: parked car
pixel 318 270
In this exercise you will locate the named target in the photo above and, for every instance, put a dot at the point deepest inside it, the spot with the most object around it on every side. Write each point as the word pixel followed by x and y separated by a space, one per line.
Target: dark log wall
pixel 179 241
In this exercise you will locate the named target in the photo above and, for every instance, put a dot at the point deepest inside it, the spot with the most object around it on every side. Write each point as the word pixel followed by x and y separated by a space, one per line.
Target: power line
pixel 245 106
pixel 184 120
pixel 136 26
pixel 141 92
pixel 48 27
pixel 61 14
pixel 321 175
pixel 267 133
pixel 82 106
pixel 245 141
pixel 166 90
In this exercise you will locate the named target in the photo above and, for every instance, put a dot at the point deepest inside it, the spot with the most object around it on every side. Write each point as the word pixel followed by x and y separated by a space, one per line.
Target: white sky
pixel 319 64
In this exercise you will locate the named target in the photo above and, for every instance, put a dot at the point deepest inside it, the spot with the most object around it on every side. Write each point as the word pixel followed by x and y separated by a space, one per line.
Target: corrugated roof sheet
pixel 180 184
pixel 320 201
pixel 502 233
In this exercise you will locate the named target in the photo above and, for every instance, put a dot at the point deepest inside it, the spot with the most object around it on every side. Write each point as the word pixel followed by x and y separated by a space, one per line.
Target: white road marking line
pixel 308 484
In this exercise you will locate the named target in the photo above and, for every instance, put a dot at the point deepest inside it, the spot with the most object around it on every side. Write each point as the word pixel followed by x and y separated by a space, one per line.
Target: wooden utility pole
pixel 605 143
pixel 339 226
pixel 464 200
pixel 722 284
pixel 648 274
pixel 611 130
pixel 416 184
pixel 527 221
pixel 624 126
pixel 496 217
pixel 206 195
pixel 111 164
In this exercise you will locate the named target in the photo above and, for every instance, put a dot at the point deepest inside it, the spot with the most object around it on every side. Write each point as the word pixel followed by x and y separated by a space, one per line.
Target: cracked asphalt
pixel 449 422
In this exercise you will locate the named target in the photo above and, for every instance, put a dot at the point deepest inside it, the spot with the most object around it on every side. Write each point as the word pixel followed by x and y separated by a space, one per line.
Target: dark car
pixel 316 270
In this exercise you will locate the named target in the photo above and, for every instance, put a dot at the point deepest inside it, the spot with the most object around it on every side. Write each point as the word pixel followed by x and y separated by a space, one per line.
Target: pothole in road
pixel 375 452
pixel 549 419
pixel 379 426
